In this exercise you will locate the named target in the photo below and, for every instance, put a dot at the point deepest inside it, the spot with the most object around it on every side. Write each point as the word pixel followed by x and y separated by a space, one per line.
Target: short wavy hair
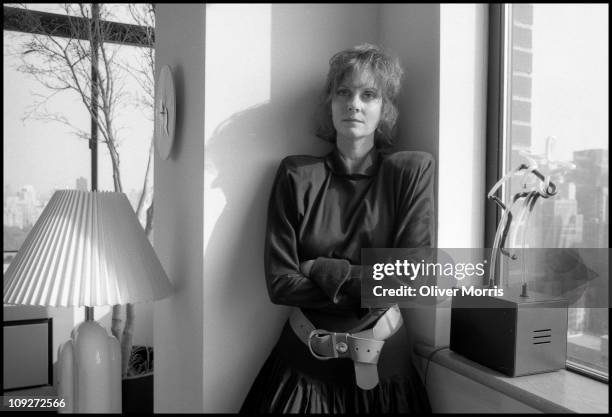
pixel 387 72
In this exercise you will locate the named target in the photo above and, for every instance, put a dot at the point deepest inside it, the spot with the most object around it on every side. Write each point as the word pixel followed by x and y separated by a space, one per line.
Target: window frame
pixel 497 133
pixel 495 114
pixel 55 24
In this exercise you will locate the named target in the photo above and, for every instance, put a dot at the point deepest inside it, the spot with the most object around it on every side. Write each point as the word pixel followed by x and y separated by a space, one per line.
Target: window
pixel 550 86
pixel 36 152
pixel 51 140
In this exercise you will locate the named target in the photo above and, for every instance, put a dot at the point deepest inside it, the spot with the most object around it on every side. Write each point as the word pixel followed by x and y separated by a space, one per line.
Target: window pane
pixel 132 122
pixel 40 155
pixel 557 117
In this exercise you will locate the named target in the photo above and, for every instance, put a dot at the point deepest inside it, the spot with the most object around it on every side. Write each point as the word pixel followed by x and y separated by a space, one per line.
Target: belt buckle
pixel 318 332
pixel 337 347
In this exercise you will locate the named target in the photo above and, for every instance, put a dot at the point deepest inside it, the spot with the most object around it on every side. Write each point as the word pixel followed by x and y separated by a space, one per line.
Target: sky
pixel 570 77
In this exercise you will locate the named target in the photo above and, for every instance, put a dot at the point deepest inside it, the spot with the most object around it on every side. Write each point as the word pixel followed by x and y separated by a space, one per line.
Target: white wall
pixel 179 187
pixel 463 81
pixel 461 161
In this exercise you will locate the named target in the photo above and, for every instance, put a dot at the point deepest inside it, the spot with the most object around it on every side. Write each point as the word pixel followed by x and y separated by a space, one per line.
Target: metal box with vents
pixel 511 334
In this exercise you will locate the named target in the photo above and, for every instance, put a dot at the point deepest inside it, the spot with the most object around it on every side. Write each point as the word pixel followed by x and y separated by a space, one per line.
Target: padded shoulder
pixel 410 160
pixel 302 166
pixel 297 162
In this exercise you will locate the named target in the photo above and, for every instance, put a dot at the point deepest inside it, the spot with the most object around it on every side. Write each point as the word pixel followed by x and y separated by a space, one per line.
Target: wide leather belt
pixel 362 347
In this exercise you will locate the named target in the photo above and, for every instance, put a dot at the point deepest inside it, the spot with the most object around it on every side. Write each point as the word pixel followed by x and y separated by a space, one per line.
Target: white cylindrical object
pixel 65 385
pixel 115 364
pixel 94 373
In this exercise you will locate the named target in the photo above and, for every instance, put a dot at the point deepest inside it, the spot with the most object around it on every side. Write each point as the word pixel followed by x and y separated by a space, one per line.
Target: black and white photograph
pixel 336 208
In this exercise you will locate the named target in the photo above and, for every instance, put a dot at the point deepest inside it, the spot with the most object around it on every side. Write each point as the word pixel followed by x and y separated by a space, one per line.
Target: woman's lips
pixel 352 120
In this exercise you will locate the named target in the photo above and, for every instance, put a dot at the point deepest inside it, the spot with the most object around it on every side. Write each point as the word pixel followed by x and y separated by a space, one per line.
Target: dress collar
pixel 368 167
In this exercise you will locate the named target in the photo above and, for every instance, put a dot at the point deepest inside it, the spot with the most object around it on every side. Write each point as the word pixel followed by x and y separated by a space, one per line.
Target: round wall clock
pixel 165 112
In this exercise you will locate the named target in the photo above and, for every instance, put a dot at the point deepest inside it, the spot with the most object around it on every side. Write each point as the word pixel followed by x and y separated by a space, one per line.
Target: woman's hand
pixel 306 266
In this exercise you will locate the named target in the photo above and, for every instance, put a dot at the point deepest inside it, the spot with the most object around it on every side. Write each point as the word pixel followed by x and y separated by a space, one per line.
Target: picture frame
pixel 27 354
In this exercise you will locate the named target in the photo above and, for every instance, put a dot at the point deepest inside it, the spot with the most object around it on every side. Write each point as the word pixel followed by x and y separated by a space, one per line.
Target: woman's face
pixel 356 107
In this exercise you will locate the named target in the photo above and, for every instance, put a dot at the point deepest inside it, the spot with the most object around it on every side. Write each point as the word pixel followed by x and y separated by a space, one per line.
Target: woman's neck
pixel 354 150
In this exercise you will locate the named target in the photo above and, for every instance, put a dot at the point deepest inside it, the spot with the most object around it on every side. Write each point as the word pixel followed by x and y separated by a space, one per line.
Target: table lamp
pixel 87 249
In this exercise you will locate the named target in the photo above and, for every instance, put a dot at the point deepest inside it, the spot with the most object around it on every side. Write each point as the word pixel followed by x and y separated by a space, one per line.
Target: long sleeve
pixel 285 282
pixel 415 214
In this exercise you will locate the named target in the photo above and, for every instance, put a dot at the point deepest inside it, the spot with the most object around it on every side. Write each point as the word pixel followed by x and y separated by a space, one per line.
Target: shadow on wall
pixel 239 158
pixel 243 156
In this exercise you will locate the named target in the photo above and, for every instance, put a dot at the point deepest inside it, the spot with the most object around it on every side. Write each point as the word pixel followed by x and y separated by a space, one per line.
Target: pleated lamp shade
pixel 86 249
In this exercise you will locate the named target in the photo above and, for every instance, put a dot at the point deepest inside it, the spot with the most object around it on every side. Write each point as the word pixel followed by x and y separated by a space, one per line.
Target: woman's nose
pixel 354 104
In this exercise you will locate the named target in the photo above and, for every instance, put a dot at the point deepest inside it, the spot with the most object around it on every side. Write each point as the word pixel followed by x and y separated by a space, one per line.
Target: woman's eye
pixel 343 92
pixel 370 95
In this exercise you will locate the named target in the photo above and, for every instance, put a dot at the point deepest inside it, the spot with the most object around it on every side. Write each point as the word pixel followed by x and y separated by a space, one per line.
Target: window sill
pixel 554 392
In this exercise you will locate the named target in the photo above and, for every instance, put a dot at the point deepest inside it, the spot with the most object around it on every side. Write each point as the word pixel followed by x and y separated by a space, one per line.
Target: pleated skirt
pixel 293 381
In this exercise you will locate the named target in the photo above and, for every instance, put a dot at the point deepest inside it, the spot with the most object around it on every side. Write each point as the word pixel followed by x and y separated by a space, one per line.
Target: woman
pixel 322 211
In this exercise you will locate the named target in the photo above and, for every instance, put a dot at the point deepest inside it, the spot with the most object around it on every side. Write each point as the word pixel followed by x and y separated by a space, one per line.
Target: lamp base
pixel 90 371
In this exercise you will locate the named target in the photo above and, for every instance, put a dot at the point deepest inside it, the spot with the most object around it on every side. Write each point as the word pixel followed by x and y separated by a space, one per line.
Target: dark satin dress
pixel 319 209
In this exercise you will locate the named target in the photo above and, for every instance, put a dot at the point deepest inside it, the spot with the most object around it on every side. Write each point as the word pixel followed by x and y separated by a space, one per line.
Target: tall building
pixel 8 191
pixel 13 216
pixel 22 209
pixel 81 184
pixel 29 205
pixel 592 195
